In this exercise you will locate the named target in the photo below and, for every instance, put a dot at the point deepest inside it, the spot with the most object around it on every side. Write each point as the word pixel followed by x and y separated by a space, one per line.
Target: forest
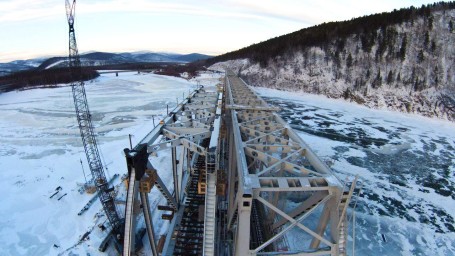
pixel 400 60
pixel 48 77
pixel 321 35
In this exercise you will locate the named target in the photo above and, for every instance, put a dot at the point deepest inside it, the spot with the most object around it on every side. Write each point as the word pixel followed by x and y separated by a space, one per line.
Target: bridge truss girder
pixel 186 125
pixel 274 176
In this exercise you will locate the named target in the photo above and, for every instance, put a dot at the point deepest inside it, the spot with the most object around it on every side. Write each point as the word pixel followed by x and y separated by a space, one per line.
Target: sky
pixel 37 28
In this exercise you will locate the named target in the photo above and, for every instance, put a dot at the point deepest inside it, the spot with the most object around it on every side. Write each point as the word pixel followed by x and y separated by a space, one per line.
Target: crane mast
pixel 86 128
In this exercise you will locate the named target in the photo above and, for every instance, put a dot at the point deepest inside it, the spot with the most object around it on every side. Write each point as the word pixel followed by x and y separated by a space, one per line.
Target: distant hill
pixel 193 57
pixel 402 60
pixel 46 78
pixel 101 59
pixel 18 65
pixel 105 58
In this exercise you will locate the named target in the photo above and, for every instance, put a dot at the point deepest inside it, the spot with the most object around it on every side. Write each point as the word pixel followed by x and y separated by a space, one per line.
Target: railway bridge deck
pixel 244 181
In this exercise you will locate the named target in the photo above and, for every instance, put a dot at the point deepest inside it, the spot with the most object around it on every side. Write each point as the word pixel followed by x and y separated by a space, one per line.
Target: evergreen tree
pixel 378 80
pixel 349 61
pixel 420 56
pixel 436 76
pixel 426 40
pixel 390 77
pixel 413 76
pixel 433 46
pixel 403 48
pixel 336 59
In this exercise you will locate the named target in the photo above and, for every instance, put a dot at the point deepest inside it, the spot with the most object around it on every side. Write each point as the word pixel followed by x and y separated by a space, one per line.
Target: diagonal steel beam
pixel 303 207
pixel 286 229
pixel 295 222
pixel 277 164
pixel 268 159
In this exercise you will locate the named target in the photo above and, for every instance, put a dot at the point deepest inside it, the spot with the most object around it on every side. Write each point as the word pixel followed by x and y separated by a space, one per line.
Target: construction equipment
pixel 87 131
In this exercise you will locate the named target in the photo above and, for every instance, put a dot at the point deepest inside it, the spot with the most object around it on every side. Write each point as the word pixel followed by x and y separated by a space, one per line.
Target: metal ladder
pixel 163 190
pixel 210 216
pixel 129 215
pixel 342 224
pixel 342 229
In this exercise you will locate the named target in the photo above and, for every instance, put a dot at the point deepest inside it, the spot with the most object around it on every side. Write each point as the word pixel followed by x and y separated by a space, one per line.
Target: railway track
pixel 189 234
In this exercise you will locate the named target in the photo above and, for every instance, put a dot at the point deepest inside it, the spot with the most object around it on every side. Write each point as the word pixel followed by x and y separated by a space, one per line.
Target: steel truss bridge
pixel 243 182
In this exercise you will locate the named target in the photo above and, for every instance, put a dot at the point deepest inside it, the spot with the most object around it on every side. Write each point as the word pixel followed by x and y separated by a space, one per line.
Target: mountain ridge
pixel 97 58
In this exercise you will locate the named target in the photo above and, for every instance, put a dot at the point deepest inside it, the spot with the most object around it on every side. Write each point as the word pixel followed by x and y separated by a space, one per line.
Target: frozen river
pixel 406 163
pixel 40 149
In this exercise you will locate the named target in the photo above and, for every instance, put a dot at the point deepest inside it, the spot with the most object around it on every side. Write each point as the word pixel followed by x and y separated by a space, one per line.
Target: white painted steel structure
pixel 191 122
pixel 260 180
pixel 276 182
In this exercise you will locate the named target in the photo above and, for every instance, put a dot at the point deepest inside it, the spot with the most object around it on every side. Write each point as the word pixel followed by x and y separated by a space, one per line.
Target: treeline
pixel 321 35
pixel 48 77
pixel 160 68
pixel 53 76
pixel 177 69
pixel 137 66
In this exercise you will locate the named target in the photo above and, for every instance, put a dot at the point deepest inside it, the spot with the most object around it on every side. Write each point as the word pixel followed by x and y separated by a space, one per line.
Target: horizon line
pixel 52 55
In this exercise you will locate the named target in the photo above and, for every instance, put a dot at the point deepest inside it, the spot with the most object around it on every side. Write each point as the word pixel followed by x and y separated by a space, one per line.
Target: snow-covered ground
pixel 40 150
pixel 406 162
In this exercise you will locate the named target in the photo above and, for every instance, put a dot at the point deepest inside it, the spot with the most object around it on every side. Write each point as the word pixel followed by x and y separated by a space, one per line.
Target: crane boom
pixel 86 128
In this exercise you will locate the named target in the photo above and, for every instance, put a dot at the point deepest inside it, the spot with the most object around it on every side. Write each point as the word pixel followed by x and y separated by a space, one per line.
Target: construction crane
pixel 106 194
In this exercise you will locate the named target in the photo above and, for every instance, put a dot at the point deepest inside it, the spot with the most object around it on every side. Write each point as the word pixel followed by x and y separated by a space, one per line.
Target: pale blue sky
pixel 39 28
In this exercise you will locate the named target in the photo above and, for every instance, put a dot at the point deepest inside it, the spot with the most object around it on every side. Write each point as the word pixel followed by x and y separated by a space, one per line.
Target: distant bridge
pixel 123 71
pixel 242 181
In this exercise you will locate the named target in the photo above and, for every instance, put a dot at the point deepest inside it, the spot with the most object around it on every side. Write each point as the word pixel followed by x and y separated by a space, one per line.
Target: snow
pixel 405 161
pixel 55 64
pixel 427 125
pixel 377 80
pixel 216 124
pixel 41 147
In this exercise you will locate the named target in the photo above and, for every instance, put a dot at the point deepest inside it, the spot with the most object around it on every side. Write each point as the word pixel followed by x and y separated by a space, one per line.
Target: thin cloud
pixel 21 10
pixel 204 8
pixel 302 11
pixel 17 11
pixel 254 20
pixel 311 12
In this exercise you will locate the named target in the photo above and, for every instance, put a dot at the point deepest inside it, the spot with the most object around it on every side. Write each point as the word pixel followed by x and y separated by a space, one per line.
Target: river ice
pixel 405 161
pixel 40 149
